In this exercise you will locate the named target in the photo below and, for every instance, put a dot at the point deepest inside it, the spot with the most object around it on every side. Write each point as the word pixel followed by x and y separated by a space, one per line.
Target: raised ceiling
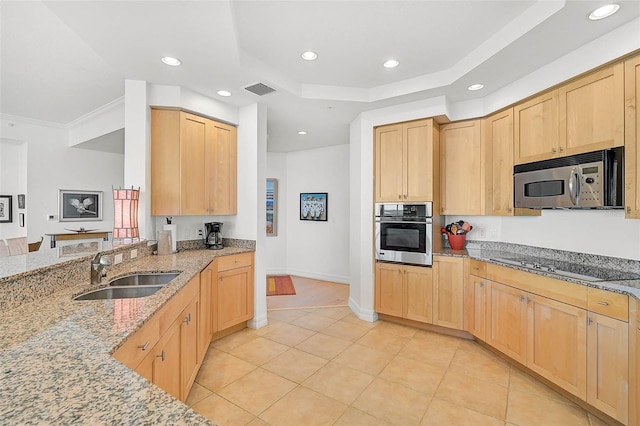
pixel 63 59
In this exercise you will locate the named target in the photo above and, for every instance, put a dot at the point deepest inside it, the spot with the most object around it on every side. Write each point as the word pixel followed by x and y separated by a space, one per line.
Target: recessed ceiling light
pixel 302 132
pixel 309 56
pixel 224 93
pixel 604 11
pixel 476 86
pixel 170 60
pixel 391 63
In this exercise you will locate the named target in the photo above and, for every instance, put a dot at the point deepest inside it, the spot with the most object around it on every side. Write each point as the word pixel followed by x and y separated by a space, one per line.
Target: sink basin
pixel 128 292
pixel 144 279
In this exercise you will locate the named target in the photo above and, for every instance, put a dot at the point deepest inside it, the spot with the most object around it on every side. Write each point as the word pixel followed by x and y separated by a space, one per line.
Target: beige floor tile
pixel 393 402
pixel 295 365
pixel 365 359
pixel 527 409
pixel 220 369
pixel 400 330
pixel 289 334
pixel 335 313
pixel 473 393
pixel 286 315
pixel 384 341
pixel 339 382
pixel 483 366
pixel 523 382
pixel 429 352
pixel 353 417
pixel 441 340
pixel 441 413
pixel 259 350
pixel 346 330
pixel 304 407
pixel 256 391
pixel 222 412
pixel 257 421
pixel 353 318
pixel 314 322
pixel 233 341
pixel 197 394
pixel 472 346
pixel 324 346
pixel 273 324
pixel 413 374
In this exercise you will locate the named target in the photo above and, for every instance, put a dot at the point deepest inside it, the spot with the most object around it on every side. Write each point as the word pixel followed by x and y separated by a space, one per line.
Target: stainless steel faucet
pixel 98 264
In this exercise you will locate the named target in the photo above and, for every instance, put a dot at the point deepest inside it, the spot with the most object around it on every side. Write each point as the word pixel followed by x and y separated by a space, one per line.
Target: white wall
pixel 319 249
pixel 277 245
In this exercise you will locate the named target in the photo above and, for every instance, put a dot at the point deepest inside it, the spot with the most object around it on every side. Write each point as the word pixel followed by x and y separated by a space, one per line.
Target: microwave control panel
pixel 591 185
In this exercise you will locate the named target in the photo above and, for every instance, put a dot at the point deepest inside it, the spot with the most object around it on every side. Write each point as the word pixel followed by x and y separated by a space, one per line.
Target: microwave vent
pixel 259 89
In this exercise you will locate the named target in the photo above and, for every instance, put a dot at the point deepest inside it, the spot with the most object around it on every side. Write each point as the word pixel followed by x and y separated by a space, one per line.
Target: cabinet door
pixel 557 343
pixel 235 297
pixel 418 293
pixel 632 138
pixel 166 362
pixel 448 292
pixel 461 168
pixel 475 307
pixel 507 321
pixel 591 112
pixel 536 128
pixel 221 168
pixel 608 366
pixel 192 165
pixel 389 170
pixel 418 157
pixel 389 289
pixel 165 167
pixel 205 332
pixel 189 345
pixel 499 141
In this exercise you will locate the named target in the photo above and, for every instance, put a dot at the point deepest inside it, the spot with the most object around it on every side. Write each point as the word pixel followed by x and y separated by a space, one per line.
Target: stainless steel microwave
pixel 593 180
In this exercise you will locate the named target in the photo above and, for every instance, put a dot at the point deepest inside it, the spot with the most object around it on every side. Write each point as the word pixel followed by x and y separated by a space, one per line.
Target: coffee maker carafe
pixel 213 238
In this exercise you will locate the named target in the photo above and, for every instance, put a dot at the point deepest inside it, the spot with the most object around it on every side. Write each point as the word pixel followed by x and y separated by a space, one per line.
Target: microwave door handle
pixel 574 186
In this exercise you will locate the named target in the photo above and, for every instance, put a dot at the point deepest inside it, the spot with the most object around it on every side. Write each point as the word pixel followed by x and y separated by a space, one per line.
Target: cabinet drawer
pixel 226 263
pixel 477 268
pixel 139 344
pixel 608 303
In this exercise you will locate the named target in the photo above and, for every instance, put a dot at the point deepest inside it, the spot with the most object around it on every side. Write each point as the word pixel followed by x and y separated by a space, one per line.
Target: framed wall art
pixel 313 206
pixel 80 206
pixel 272 207
pixel 6 208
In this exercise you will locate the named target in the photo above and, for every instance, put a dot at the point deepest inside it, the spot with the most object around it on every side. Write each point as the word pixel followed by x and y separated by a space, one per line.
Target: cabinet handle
pixel 406 196
pixel 589 320
pixel 553 150
pixel 509 209
pixel 522 298
pixel 603 303
pixel 561 149
pixel 481 285
pixel 400 197
pixel 144 347
pixel 161 355
pixel 628 209
pixel 187 319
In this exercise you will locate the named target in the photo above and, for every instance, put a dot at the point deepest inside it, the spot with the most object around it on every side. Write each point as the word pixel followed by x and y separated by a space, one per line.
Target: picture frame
pixel 79 206
pixel 6 208
pixel 313 206
pixel 272 208
pixel 22 198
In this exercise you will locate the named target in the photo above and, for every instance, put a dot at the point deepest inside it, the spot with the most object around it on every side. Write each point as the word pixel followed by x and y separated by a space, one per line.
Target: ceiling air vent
pixel 260 89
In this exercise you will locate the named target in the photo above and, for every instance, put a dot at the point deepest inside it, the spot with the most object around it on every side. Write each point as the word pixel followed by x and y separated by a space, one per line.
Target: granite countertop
pixel 629 287
pixel 55 353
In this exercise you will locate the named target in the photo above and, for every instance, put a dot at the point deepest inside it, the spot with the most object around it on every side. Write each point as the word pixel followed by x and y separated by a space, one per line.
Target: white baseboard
pixel 277 271
pixel 257 322
pixel 365 315
pixel 318 276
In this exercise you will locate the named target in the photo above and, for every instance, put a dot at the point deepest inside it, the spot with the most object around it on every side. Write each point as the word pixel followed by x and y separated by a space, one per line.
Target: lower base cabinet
pixel 507 321
pixel 448 292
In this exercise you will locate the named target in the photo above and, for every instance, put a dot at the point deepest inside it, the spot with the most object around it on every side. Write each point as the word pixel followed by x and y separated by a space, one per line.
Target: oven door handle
pixel 428 221
pixel 574 186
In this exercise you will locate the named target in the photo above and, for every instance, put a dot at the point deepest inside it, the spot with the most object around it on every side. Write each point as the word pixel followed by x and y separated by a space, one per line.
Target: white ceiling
pixel 63 59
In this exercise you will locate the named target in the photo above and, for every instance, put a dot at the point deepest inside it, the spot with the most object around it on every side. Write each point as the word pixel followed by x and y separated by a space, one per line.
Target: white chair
pixel 4 251
pixel 17 246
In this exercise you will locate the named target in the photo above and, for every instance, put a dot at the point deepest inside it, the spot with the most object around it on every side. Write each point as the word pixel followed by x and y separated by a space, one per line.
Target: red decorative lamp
pixel 125 214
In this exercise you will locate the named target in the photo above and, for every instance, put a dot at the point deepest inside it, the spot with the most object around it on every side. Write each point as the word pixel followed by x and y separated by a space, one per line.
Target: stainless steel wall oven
pixel 404 233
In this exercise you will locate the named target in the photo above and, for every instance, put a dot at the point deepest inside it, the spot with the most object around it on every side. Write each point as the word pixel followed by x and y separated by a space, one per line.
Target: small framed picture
pixel 80 206
pixel 6 208
pixel 21 219
pixel 272 207
pixel 21 201
pixel 313 206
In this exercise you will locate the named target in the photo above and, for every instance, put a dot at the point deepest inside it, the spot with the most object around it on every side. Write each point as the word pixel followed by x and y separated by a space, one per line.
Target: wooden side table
pixel 78 236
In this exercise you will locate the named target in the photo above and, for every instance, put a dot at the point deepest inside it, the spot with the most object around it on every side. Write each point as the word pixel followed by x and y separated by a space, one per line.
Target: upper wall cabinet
pixel 584 115
pixel 462 166
pixel 404 163
pixel 193 165
pixel 632 138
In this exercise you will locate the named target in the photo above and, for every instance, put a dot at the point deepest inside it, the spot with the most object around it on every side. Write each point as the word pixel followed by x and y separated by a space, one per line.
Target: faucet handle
pixel 104 261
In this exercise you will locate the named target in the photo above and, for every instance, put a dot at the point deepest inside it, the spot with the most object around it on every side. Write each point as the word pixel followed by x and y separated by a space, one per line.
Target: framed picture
pixel 313 206
pixel 272 207
pixel 21 201
pixel 6 208
pixel 21 219
pixel 80 206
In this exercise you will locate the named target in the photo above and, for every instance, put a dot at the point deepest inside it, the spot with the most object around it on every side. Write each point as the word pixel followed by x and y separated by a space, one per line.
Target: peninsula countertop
pixel 55 353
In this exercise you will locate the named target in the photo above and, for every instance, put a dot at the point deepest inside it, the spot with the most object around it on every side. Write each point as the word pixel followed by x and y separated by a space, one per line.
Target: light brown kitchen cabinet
pixel 193 165
pixel 189 346
pixel 448 292
pixel 632 138
pixel 536 128
pixel 475 300
pixel 205 317
pixel 507 320
pixel 404 157
pixel 404 291
pixel 233 291
pixel 462 165
pixel 389 289
pixel 634 361
pixel 162 365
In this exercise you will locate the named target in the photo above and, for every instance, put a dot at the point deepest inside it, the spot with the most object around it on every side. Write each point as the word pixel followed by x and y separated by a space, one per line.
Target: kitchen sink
pixel 128 292
pixel 144 279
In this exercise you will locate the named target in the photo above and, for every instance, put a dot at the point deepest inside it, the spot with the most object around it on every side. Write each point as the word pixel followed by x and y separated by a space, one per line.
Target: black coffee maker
pixel 213 238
